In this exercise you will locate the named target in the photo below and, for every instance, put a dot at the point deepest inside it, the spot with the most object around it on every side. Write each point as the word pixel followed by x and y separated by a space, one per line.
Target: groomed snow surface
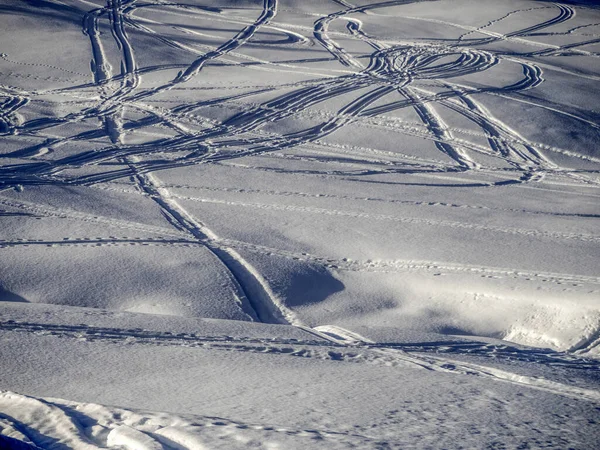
pixel 299 224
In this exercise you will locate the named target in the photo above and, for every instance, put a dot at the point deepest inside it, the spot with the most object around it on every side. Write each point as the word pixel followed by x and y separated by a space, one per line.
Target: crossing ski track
pixel 397 67
pixel 79 426
pixel 427 89
pixel 338 344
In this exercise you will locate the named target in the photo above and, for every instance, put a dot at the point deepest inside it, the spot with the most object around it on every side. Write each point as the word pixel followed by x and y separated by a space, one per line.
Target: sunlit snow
pixel 299 224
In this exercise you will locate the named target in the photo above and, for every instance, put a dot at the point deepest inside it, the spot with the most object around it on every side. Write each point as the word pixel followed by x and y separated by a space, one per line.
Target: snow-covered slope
pixel 192 193
pixel 228 384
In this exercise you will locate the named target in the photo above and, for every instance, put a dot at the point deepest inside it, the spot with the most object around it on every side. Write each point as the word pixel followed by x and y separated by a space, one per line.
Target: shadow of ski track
pixel 18 214
pixel 47 10
pixel 588 4
pixel 501 352
pixel 39 440
pixel 9 443
pixel 8 296
pixel 144 336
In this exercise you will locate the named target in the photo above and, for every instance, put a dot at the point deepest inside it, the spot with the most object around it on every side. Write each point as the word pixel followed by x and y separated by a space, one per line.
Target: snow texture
pixel 299 224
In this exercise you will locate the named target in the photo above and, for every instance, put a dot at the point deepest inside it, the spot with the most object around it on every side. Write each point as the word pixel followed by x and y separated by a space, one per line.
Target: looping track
pixel 426 76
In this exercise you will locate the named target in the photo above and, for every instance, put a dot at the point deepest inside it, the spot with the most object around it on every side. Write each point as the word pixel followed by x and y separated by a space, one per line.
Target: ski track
pixel 344 346
pixel 177 237
pixel 322 195
pixel 531 73
pixel 404 219
pixel 181 237
pixel 98 426
pixel 252 289
pixel 338 264
pixel 426 77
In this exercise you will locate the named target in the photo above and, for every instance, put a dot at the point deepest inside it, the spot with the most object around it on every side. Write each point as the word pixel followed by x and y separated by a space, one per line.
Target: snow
pixel 279 224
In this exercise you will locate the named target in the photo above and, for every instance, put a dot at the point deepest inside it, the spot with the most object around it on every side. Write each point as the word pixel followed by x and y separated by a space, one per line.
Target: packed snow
pixel 299 224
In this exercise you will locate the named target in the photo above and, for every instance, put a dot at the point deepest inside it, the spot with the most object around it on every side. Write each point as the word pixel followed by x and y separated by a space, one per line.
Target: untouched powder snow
pixel 297 224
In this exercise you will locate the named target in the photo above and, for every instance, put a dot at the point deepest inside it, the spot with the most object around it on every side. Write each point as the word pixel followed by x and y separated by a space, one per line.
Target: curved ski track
pixel 420 75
